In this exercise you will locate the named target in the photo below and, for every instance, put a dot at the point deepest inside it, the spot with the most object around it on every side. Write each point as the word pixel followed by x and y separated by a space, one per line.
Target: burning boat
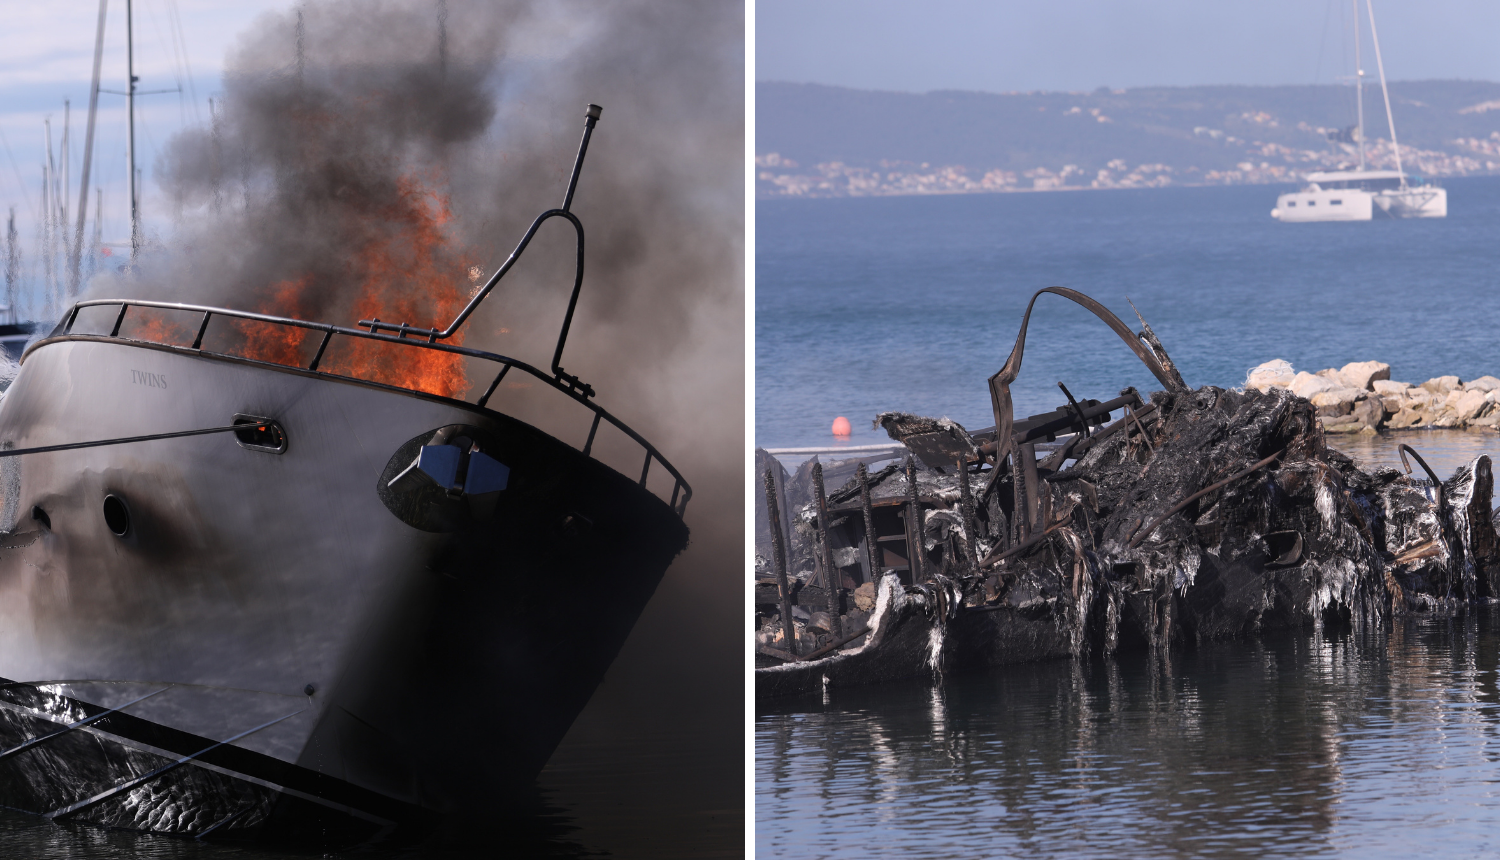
pixel 1196 514
pixel 289 598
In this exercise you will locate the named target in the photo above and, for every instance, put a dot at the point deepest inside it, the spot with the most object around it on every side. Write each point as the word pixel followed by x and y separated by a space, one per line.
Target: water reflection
pixel 1444 450
pixel 1381 744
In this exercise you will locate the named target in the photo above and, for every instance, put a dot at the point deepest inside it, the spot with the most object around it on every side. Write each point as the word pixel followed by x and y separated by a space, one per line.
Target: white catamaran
pixel 1354 195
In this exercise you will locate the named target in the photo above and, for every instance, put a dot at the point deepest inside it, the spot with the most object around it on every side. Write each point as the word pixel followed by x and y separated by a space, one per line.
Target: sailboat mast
pixel 88 157
pixel 1380 67
pixel 49 217
pixel 135 214
pixel 65 189
pixel 1359 91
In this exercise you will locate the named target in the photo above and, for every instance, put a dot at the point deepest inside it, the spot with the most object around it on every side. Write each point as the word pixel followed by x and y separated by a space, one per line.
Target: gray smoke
pixel 347 129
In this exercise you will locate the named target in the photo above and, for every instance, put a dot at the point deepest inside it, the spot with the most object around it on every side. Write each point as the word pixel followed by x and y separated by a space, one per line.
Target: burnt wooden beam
pixel 830 573
pixel 778 550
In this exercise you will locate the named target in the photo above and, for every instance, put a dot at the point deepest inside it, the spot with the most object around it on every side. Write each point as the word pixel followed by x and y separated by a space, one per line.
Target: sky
pixel 47 55
pixel 1080 45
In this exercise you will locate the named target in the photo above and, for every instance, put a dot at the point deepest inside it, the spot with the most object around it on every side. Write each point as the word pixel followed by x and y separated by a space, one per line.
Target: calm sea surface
pixel 911 303
pixel 1380 745
pixel 1335 746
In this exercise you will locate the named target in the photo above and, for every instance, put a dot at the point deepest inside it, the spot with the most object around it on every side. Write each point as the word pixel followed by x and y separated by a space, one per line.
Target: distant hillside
pixel 814 140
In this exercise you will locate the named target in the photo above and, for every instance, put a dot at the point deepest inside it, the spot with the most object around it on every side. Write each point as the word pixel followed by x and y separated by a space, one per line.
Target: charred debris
pixel 1150 522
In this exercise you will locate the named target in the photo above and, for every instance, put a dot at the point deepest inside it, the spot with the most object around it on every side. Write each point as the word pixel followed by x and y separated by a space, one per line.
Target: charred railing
pixel 681 492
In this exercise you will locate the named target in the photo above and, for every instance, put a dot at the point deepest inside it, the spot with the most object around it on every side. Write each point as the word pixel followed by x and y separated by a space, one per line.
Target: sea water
pixel 911 303
pixel 1381 744
pixel 1385 745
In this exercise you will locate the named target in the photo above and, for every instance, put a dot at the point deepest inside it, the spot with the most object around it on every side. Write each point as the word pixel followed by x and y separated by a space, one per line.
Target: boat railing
pixel 568 386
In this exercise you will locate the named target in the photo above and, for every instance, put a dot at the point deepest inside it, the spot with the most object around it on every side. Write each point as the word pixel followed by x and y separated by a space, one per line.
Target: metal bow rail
pixel 681 492
pixel 430 338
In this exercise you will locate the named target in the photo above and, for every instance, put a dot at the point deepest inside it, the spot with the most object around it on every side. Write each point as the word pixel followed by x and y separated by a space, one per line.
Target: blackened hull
pixel 446 667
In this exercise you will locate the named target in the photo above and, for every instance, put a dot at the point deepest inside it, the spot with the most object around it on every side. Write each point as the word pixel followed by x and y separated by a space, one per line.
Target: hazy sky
pixel 1084 44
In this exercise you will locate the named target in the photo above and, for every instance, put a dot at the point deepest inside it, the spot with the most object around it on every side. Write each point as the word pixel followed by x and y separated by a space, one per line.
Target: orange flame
pixel 153 325
pixel 410 274
pixel 278 344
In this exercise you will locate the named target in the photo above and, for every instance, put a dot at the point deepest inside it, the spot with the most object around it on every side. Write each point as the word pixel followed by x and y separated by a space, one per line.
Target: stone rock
pixel 1335 410
pixel 1328 373
pixel 1442 384
pixel 1445 418
pixel 1346 427
pixel 1483 383
pixel 1305 384
pixel 1369 431
pixel 1390 405
pixel 1385 386
pixel 1360 374
pixel 864 596
pixel 1491 420
pixel 1405 418
pixel 1368 412
pixel 1470 405
pixel 1276 372
pixel 1337 396
pixel 1418 399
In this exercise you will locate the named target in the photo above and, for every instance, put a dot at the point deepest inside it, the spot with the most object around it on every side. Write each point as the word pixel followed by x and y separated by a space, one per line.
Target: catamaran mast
pixel 1380 66
pixel 1359 91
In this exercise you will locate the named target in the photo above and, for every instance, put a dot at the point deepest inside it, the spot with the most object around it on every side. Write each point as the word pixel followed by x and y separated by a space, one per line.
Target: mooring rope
pixel 44 449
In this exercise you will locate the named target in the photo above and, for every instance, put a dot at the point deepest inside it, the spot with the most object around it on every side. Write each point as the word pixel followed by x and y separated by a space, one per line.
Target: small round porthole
pixel 116 515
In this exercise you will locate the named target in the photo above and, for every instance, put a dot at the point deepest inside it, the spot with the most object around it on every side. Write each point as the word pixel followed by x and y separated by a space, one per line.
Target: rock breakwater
pixel 1361 397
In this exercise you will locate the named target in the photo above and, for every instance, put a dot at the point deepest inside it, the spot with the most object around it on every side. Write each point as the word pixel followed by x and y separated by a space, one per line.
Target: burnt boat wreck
pixel 255 600
pixel 1142 522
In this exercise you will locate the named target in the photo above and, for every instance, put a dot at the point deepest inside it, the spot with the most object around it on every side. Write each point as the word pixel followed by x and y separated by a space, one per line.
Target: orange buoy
pixel 841 427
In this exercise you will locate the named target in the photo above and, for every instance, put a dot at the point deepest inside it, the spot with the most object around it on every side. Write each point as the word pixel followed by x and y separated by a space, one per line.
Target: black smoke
pixel 341 125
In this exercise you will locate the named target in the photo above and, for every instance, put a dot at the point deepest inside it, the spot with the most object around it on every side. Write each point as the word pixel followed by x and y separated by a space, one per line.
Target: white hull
pixel 332 670
pixel 1344 204
pixel 1419 202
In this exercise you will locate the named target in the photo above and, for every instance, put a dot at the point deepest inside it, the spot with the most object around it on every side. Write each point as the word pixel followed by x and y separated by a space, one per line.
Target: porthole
pixel 116 515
